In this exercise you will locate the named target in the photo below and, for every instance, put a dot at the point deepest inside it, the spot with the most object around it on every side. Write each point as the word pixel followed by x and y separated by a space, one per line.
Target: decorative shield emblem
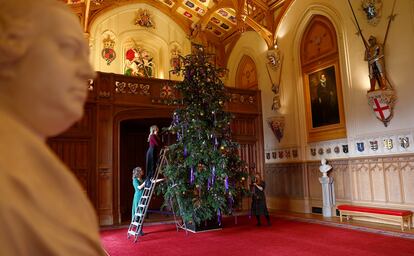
pixel 372 10
pixel 277 124
pixel 274 155
pixel 108 53
pixel 268 156
pixel 345 149
pixel 320 151
pixel 313 151
pixel 280 154
pixel 360 146
pixel 404 142
pixel 382 103
pixel 374 145
pixel 144 19
pixel 328 150
pixel 388 144
pixel 337 150
pixel 287 153
pixel 295 153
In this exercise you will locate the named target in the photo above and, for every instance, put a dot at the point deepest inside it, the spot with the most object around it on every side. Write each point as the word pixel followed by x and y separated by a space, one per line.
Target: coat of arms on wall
pixel 372 10
pixel 144 19
pixel 277 124
pixel 138 62
pixel 382 103
pixel 274 60
pixel 108 53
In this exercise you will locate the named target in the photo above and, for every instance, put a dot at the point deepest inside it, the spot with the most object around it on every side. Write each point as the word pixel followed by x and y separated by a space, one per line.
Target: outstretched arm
pixel 158 180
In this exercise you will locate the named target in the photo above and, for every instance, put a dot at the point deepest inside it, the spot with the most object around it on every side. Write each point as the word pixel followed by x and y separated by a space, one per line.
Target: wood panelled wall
pixel 91 148
pixel 386 182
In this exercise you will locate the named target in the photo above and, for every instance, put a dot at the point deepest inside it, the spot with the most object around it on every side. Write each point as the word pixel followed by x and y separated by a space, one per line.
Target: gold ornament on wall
pixel 108 53
pixel 144 19
pixel 372 10
pixel 277 124
pixel 274 60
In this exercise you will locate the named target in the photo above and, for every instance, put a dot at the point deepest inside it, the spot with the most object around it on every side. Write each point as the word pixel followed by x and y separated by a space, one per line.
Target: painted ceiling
pixel 219 22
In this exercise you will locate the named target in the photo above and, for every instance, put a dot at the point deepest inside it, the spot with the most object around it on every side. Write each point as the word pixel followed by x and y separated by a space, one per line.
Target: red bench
pixel 401 216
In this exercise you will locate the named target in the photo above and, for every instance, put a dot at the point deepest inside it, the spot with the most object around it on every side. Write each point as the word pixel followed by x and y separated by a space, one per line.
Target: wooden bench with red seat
pixel 401 216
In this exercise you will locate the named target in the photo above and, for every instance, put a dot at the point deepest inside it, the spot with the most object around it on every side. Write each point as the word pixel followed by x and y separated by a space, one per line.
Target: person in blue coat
pixel 138 183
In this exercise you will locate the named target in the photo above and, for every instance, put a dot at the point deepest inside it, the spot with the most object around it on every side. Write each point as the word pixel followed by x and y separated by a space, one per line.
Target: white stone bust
pixel 44 65
pixel 324 168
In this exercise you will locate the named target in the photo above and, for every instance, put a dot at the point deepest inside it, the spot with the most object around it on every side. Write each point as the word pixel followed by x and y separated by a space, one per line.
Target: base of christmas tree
pixel 204 226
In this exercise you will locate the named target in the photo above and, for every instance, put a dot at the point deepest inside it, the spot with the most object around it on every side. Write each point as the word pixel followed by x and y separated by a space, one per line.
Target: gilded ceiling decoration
pixel 220 22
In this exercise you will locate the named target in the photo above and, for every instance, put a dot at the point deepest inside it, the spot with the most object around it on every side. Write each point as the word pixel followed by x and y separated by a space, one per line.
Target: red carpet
pixel 284 237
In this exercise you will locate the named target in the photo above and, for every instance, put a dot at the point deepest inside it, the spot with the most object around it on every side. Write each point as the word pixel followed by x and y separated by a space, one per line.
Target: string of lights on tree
pixel 204 171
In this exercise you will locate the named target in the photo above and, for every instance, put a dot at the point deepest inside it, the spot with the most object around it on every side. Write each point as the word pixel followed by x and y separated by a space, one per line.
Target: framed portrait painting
pixel 324 103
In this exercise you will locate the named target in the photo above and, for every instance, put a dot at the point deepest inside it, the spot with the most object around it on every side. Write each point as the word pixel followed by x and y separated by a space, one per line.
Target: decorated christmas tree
pixel 204 171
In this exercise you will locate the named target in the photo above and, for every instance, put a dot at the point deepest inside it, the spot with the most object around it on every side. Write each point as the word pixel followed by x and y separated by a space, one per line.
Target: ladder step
pixel 132 232
pixel 145 197
pixel 135 223
pixel 141 205
pixel 138 214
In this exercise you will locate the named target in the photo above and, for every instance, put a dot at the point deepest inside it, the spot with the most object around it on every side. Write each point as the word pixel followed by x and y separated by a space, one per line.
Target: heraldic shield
pixel 277 124
pixel 382 103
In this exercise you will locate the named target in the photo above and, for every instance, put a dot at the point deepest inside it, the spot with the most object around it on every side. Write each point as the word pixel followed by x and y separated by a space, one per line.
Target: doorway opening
pixel 132 152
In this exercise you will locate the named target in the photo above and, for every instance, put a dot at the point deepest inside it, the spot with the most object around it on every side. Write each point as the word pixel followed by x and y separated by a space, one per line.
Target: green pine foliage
pixel 204 172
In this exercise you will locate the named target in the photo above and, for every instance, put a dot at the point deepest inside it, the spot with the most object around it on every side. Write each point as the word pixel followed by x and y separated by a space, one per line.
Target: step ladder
pixel 135 227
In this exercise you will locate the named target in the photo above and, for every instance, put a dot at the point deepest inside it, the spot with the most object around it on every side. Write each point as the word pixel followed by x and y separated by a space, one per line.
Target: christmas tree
pixel 204 170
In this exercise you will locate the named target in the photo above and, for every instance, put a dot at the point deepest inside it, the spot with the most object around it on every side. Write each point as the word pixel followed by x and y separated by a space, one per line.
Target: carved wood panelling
pixel 342 180
pixel 243 127
pixel 382 181
pixel 407 177
pixel 284 180
pixel 76 154
pixel 393 180
pixel 85 126
pixel 105 196
pixel 315 191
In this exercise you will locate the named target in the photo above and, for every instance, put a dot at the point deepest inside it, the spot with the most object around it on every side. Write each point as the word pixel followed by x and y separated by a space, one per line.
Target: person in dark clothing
pixel 259 200
pixel 153 151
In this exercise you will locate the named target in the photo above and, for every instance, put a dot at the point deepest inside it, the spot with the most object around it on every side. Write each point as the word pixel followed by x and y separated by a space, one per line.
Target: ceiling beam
pixel 86 19
pixel 266 34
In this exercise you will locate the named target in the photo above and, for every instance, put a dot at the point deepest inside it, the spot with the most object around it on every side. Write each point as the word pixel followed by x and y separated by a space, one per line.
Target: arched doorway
pixel 133 135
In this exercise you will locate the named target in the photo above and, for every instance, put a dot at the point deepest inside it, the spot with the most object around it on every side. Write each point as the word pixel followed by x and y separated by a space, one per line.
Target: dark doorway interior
pixel 133 147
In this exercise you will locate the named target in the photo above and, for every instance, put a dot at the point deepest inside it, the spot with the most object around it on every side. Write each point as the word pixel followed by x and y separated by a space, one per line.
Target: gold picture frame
pixel 325 118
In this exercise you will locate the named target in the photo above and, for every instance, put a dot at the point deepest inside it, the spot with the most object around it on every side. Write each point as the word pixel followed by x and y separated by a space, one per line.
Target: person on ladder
pixel 138 183
pixel 153 151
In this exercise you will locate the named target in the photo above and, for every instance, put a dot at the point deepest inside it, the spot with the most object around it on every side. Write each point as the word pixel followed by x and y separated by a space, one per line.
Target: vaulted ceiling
pixel 216 22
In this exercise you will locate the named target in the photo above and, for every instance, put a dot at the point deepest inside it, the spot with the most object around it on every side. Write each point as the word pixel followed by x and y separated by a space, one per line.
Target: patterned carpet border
pixel 352 227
